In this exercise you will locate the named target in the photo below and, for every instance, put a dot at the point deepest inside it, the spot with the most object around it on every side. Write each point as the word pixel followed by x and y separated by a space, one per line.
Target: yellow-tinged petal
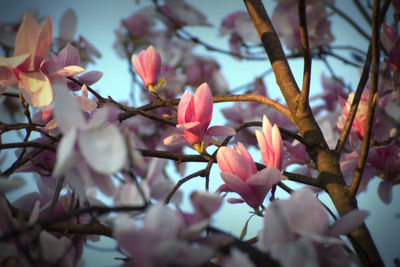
pixel 36 88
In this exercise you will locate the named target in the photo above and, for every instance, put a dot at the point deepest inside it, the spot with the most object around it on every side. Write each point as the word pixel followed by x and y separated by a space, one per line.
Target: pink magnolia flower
pixel 194 117
pixel 391 42
pixel 239 172
pixel 361 115
pixel 297 232
pixel 27 68
pixel 139 23
pixel 182 13
pixel 148 66
pixel 271 146
pixel 286 21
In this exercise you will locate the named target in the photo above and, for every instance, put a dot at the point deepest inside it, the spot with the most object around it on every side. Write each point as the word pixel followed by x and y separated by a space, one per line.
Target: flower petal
pixel 220 131
pixel 36 88
pixel 235 184
pixel 103 148
pixel 348 222
pixel 176 139
pixel 266 177
pixel 66 109
pixel 65 153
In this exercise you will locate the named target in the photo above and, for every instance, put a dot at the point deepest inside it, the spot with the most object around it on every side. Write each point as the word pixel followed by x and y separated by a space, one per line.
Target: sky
pixel 97 21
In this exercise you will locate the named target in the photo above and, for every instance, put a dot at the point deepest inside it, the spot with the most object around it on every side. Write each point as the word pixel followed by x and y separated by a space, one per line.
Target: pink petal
pixel 186 108
pixel 86 104
pixel 235 200
pixel 68 71
pixel 348 222
pixel 220 131
pixel 67 25
pixel 176 139
pixel 266 177
pixel 188 125
pixel 25 41
pixel 163 221
pixel 69 55
pixel 43 41
pixel 205 203
pixel 385 191
pixel 235 184
pixel 90 77
pixel 203 105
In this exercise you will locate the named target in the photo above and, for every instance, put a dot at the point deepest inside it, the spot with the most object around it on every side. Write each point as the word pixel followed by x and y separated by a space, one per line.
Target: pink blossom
pixel 28 68
pixel 194 117
pixel 286 21
pixel 139 24
pixel 168 237
pixel 391 42
pixel 270 142
pixel 148 66
pixel 239 172
pixel 361 115
pixel 297 232
pixel 182 14
pixel 202 69
pixel 239 23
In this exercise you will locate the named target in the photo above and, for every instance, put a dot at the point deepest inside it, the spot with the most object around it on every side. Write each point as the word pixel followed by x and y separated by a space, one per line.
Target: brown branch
pixel 181 182
pixel 326 161
pixel 305 89
pixel 216 99
pixel 362 11
pixel 27 144
pixel 354 106
pixel 302 179
pixel 169 155
pixel 353 188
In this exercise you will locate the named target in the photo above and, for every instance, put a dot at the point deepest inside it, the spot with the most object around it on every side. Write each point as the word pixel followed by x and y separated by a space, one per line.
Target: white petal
pixel 65 153
pixel 66 109
pixel 103 148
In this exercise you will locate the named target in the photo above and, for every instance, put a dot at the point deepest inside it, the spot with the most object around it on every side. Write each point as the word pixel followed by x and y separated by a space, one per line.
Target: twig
pixel 353 188
pixel 305 89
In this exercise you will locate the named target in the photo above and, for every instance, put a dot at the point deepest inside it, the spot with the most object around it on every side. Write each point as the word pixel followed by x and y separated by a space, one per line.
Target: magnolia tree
pixel 85 148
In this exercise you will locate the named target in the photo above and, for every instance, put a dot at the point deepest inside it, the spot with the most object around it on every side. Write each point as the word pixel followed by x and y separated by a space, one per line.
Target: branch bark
pixel 326 160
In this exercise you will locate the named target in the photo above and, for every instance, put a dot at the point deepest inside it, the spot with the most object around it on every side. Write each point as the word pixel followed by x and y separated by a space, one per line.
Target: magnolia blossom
pixel 194 117
pixel 361 115
pixel 67 30
pixel 182 14
pixel 27 68
pixel 391 42
pixel 89 152
pixel 168 237
pixel 148 66
pixel 270 143
pixel 297 232
pixel 239 172
pixel 240 28
pixel 286 22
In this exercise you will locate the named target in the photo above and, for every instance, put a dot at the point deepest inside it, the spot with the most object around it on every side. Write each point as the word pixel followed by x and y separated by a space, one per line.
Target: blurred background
pixel 98 22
